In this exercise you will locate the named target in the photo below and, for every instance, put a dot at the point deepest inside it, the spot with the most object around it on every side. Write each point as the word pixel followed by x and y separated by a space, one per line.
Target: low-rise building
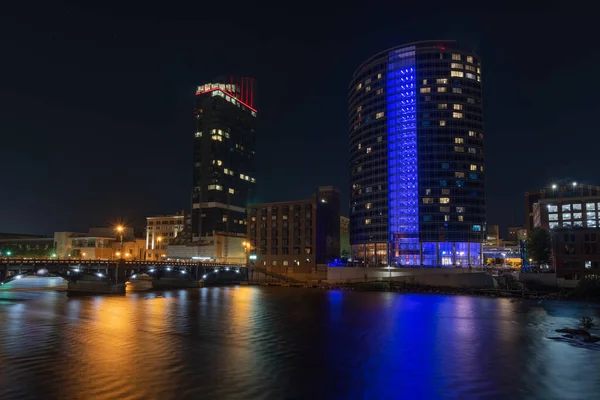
pixel 295 237
pixel 161 230
pixel 574 225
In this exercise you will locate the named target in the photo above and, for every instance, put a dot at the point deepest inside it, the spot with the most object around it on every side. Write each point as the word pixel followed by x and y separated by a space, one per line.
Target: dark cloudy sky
pixel 96 99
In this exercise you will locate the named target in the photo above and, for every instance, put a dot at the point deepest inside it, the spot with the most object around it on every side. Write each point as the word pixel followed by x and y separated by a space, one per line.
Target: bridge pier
pixel 174 283
pixel 87 287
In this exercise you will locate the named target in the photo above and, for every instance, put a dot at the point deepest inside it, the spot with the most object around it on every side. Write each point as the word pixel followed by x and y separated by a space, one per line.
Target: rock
pixel 582 332
pixel 591 339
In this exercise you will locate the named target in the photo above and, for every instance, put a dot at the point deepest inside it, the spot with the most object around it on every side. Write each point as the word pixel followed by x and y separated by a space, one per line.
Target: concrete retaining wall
pixel 534 279
pixel 446 277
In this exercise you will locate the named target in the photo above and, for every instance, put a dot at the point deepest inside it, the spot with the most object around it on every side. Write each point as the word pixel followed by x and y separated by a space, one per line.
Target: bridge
pixel 109 276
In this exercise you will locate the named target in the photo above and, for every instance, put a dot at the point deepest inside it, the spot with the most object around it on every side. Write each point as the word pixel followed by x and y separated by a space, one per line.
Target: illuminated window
pixel 225 171
pixel 470 75
pixel 215 187
pixel 566 207
pixel 442 123
pixel 456 57
pixel 219 162
pixel 379 138
pixel 379 115
pixel 359 109
pixel 590 206
pixel 425 90
pixel 461 218
pixel 470 68
pixel 477 228
pixel 368 150
pixel 379 91
pixel 460 210
pixel 457 115
pixel 481 168
pixel 217 138
pixel 444 200
pixel 456 90
pixel 478 70
pixel 378 76
pixel 459 174
pixel 456 65
pixel 368 89
pixel 442 106
pixel 459 149
pixel 472 150
pixel 252 180
pixel 577 215
pixel 577 207
pixel 368 221
pixel 472 133
pixel 470 59
pixel 442 81
pixel 591 223
pixel 459 140
pixel 445 191
pixel 445 209
pixel 446 218
pixel 428 191
pixel 359 86
pixel 231 191
pixel 459 74
pixel 368 206
pixel 424 81
pixel 566 216
pixel 471 100
pixel 473 167
pixel 442 89
pixel 198 134
pixel 241 176
pixel 427 200
pixel 359 146
pixel 458 106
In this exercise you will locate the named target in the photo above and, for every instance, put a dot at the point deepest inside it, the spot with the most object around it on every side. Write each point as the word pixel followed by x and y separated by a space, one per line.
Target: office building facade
pixel 295 237
pixel 416 157
pixel 224 157
pixel 161 231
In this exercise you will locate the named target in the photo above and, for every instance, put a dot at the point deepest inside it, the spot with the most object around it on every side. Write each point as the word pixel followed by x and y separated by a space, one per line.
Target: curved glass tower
pixel 416 157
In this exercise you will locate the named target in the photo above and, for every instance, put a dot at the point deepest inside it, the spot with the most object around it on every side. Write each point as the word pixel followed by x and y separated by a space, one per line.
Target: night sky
pixel 96 113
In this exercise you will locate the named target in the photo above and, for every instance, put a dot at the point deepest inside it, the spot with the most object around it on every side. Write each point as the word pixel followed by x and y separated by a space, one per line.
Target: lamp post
pixel 120 230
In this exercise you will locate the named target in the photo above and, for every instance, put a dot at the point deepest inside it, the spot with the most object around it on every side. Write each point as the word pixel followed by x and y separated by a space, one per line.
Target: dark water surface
pixel 289 343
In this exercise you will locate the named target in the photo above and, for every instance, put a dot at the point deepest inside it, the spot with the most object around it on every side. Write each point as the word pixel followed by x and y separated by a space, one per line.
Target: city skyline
pixel 124 151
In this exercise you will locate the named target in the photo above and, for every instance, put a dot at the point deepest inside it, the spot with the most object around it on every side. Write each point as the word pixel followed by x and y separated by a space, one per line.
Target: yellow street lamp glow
pixel 83 254
pixel 119 228
pixel 118 253
pixel 158 239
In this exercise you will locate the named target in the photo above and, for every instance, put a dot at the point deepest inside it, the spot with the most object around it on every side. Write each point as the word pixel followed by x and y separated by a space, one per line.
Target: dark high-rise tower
pixel 224 157
pixel 416 157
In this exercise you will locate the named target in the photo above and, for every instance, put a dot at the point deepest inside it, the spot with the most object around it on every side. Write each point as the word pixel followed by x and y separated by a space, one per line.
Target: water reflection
pixel 257 342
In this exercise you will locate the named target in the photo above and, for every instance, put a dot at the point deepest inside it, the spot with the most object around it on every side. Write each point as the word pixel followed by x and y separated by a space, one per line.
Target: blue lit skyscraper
pixel 416 157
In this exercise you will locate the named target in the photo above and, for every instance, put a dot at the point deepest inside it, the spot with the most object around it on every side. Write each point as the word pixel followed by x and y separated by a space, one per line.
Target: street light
pixel 118 254
pixel 554 186
pixel 120 229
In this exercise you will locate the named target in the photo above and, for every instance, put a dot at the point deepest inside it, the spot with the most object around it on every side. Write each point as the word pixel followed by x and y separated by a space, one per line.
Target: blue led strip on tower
pixel 403 201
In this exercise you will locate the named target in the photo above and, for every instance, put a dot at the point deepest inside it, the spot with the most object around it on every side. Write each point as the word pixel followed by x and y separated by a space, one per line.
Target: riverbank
pixel 383 286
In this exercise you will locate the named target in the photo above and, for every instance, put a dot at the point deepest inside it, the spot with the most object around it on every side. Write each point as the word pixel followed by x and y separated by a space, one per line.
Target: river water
pixel 290 343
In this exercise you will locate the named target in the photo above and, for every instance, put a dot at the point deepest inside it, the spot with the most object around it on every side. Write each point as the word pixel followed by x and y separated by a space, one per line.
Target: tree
pixel 75 253
pixel 344 253
pixel 538 246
